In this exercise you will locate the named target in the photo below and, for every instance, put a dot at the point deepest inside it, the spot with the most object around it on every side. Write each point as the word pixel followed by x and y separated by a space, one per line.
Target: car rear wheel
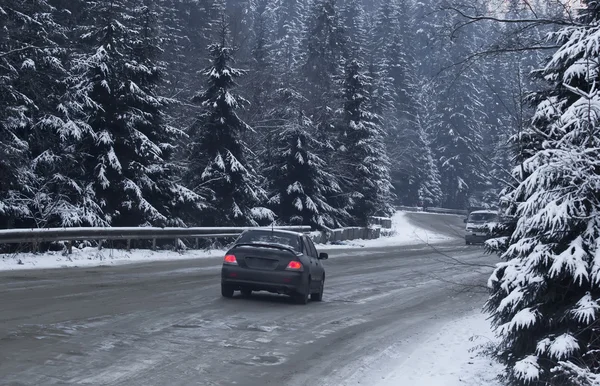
pixel 246 292
pixel 226 291
pixel 319 295
pixel 302 298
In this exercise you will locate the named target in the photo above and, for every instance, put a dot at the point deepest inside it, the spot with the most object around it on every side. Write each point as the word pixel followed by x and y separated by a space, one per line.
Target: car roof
pixel 484 212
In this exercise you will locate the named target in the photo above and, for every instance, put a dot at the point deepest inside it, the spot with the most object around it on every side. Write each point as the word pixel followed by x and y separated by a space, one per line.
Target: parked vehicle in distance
pixel 479 225
pixel 276 261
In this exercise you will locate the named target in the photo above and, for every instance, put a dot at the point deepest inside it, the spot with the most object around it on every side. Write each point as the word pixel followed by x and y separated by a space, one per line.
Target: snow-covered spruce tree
pixel 35 189
pixel 395 67
pixel 218 163
pixel 428 179
pixel 298 177
pixel 364 158
pixel 544 298
pixel 261 83
pixel 14 107
pixel 186 27
pixel 323 52
pixel 125 154
pixel 352 17
pixel 287 35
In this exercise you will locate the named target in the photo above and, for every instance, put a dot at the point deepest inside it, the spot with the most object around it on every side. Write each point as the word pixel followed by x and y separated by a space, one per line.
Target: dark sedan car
pixel 277 261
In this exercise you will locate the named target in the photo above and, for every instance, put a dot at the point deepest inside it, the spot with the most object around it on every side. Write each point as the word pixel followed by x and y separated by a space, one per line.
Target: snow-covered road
pixel 164 323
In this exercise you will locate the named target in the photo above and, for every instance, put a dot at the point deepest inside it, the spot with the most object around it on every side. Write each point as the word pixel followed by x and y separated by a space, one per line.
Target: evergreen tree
pixel 405 141
pixel 35 190
pixel 289 25
pixel 353 19
pixel 186 27
pixel 218 163
pixel 126 146
pixel 365 159
pixel 427 178
pixel 298 177
pixel 323 51
pixel 14 105
pixel 544 298
pixel 261 84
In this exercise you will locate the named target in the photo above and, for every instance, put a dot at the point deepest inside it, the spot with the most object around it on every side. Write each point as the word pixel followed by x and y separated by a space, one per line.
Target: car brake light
pixel 295 265
pixel 230 259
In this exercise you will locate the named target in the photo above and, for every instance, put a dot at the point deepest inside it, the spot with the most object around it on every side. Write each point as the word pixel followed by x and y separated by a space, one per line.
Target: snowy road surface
pixel 165 323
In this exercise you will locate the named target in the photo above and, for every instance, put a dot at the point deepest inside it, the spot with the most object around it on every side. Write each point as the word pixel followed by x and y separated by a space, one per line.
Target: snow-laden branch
pixel 16 50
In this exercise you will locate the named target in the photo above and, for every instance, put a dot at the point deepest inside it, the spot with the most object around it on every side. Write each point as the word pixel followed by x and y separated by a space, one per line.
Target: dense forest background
pixel 240 112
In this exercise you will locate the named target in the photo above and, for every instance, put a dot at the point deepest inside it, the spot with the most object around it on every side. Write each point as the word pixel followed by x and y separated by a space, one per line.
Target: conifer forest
pixel 245 112
pixel 325 113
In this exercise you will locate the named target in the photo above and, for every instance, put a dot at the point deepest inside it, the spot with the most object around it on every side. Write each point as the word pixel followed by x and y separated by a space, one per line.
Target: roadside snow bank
pixel 452 357
pixel 403 233
pixel 92 257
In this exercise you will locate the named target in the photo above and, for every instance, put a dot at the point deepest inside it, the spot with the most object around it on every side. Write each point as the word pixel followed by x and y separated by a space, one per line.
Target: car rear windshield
pixel 483 217
pixel 270 237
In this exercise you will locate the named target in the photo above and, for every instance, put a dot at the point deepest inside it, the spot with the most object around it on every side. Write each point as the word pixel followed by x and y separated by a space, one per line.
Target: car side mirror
pixel 465 221
pixel 323 256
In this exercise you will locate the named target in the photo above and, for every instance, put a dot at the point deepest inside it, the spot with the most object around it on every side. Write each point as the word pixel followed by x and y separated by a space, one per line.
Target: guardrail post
pixel 128 245
pixel 100 244
pixel 69 247
pixel 196 244
pixel 154 244
pixel 177 244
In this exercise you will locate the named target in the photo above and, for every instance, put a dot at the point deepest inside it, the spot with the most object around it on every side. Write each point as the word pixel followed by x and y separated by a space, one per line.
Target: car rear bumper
pixel 284 282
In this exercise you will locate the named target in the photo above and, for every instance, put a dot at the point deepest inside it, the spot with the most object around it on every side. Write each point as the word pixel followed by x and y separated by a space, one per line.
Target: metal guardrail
pixel 384 222
pixel 447 211
pixel 37 236
pixel 462 212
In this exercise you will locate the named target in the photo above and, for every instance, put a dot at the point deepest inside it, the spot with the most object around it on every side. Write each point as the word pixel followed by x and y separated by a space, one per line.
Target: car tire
pixel 246 292
pixel 317 297
pixel 226 291
pixel 302 298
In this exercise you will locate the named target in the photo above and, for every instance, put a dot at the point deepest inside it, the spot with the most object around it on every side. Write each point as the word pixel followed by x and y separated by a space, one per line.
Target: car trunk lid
pixel 263 256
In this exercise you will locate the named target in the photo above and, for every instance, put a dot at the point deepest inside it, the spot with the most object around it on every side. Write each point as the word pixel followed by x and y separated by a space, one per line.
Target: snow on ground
pixel 452 357
pixel 403 233
pixel 92 257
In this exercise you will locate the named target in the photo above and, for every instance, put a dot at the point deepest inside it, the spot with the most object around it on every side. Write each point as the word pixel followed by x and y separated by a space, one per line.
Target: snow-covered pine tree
pixel 15 56
pixel 35 190
pixel 457 139
pixel 298 177
pixel 287 36
pixel 218 163
pixel 186 27
pixel 364 158
pixel 260 84
pixel 125 153
pixel 405 139
pixel 544 298
pixel 352 17
pixel 427 116
pixel 323 52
